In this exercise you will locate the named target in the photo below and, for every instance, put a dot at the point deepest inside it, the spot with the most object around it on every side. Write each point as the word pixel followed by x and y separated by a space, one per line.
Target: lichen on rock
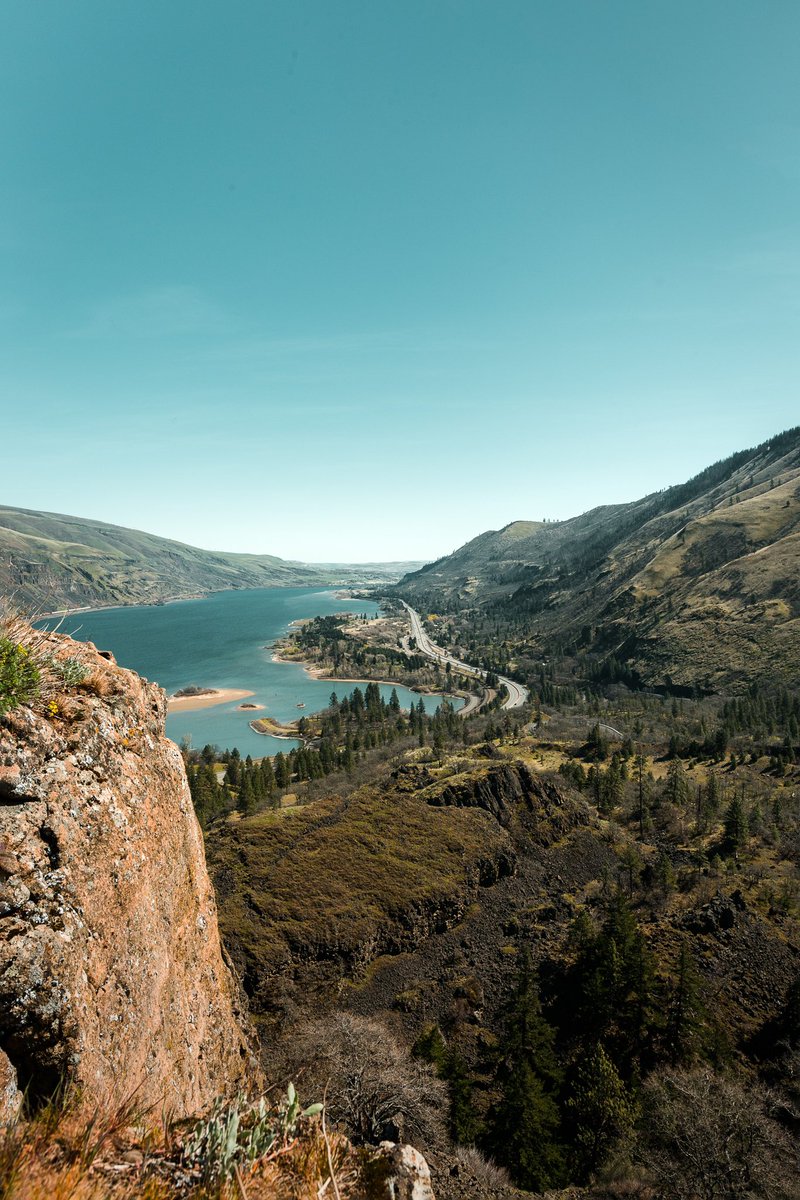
pixel 112 975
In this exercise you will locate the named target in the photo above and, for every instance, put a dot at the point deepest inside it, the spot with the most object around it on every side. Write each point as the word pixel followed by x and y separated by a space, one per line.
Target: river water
pixel 224 641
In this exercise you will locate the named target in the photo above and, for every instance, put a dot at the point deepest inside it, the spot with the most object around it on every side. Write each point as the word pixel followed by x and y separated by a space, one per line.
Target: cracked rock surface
pixel 112 975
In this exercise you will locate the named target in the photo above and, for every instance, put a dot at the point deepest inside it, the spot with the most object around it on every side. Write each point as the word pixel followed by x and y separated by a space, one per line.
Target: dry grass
pixel 61 666
pixel 341 874
pixel 113 1153
pixel 483 1170
pixel 39 646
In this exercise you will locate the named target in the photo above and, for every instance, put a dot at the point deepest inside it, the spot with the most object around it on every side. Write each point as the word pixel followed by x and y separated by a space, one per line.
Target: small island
pixel 189 699
pixel 279 729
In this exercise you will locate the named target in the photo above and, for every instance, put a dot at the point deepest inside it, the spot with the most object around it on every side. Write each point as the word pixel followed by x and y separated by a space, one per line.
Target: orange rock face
pixel 111 969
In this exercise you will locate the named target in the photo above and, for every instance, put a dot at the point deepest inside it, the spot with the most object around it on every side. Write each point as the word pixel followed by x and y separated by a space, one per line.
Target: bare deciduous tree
pixel 708 1137
pixel 374 1088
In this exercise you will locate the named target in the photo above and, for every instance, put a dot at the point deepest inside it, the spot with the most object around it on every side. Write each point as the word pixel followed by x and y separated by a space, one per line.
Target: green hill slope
pixel 49 561
pixel 697 584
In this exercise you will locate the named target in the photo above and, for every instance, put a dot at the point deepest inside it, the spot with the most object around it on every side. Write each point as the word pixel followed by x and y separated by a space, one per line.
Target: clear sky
pixel 345 280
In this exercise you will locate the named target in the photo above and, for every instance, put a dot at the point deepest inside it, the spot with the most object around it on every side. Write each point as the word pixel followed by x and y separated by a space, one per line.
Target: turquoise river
pixel 225 641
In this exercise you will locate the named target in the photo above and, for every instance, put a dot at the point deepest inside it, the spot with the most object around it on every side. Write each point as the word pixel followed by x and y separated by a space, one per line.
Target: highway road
pixel 517 694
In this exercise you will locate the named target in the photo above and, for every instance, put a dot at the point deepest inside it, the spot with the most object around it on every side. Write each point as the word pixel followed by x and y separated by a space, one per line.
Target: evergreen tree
pixel 267 776
pixel 612 786
pixel 431 1046
pixel 464 1123
pixel 631 863
pixel 686 1013
pixel 283 775
pixel 737 827
pixel 608 993
pixel 525 1128
pixel 209 797
pixel 597 744
pixel 247 801
pixel 676 789
pixel 642 793
pixel 232 771
pixel 602 1111
pixel 708 805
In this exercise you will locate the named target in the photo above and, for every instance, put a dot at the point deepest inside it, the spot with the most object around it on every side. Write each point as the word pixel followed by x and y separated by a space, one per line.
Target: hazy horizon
pixel 356 283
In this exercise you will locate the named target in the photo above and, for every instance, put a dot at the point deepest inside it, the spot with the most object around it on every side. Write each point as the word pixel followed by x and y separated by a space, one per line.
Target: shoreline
pixel 209 699
pixel 418 690
pixel 63 613
pixel 266 587
pixel 284 733
pixel 319 674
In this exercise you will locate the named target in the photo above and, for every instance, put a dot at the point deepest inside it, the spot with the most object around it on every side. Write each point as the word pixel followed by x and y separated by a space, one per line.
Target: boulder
pixel 408 1175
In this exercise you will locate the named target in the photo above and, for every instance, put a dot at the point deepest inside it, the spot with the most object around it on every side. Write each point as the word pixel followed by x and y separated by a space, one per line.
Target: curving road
pixel 517 694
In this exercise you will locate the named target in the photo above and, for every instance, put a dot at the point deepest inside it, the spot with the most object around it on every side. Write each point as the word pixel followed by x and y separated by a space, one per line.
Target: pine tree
pixel 525 1132
pixel 283 775
pixel 208 796
pixel 464 1124
pixel 676 789
pixel 642 793
pixel 737 827
pixel 232 772
pixel 631 863
pixel 267 776
pixel 709 800
pixel 608 993
pixel 602 1110
pixel 686 1013
pixel 431 1046
pixel 247 801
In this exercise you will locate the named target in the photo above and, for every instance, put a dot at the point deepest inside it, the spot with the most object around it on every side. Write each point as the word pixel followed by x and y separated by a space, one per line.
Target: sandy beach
pixel 207 700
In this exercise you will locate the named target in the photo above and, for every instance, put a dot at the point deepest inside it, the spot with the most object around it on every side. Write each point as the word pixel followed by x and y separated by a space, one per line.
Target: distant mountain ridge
pixel 49 561
pixel 698 584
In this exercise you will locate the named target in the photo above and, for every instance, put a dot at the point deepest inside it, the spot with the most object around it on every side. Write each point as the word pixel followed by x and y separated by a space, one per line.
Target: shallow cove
pixel 225 641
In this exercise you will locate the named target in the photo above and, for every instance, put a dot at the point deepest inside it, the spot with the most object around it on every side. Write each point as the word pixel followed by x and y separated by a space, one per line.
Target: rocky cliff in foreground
pixel 111 970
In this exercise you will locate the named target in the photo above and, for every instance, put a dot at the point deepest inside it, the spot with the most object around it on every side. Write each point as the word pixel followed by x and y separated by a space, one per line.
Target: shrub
pixel 70 671
pixel 375 1090
pixel 475 1167
pixel 31 673
pixel 20 676
pixel 238 1134
pixel 710 1136
pixel 71 1150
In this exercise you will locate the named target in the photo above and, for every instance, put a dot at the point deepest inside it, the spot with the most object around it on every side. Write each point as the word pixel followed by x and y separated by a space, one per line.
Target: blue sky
pixel 350 281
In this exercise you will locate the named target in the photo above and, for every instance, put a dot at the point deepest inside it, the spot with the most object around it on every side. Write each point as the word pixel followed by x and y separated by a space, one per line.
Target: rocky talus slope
pixel 111 969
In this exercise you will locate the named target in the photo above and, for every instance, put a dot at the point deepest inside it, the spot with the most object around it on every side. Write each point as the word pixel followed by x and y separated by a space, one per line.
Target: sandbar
pixel 206 700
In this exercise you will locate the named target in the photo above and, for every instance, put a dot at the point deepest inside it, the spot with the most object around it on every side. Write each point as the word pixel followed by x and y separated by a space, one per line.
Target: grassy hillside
pixel 696 585
pixel 50 561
